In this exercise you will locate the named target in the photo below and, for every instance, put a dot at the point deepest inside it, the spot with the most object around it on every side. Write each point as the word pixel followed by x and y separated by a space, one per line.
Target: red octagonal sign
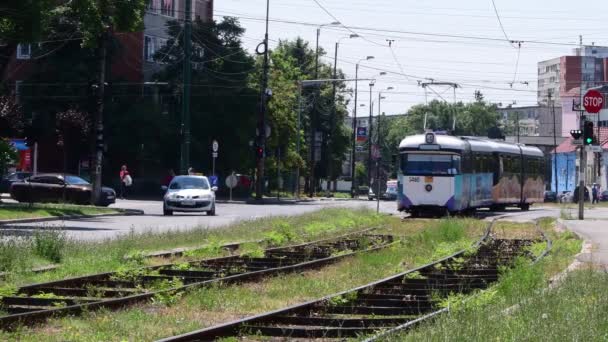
pixel 593 101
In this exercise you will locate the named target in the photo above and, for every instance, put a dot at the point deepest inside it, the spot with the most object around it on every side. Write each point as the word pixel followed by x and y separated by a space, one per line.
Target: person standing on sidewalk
pixel 594 193
pixel 125 181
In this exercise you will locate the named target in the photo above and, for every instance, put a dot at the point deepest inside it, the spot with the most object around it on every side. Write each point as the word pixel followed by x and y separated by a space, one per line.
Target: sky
pixel 441 41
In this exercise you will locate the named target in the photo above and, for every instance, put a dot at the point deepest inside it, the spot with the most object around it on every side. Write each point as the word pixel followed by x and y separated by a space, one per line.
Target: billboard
pixel 361 133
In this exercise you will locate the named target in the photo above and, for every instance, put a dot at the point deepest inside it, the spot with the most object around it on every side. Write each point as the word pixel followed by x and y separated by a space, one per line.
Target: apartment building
pixel 134 62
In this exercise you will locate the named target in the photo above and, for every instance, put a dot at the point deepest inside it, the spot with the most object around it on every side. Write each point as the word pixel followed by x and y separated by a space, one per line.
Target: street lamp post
pixel 332 118
pixel 314 115
pixel 352 167
pixel 370 133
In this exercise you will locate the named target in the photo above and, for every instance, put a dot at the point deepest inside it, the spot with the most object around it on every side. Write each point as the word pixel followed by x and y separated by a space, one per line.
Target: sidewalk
pixel 594 230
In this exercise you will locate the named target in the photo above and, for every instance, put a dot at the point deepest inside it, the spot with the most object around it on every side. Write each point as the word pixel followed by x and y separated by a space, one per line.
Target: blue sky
pixel 486 65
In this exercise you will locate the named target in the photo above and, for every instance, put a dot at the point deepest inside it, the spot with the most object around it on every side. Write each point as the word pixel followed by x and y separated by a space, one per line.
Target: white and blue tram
pixel 448 174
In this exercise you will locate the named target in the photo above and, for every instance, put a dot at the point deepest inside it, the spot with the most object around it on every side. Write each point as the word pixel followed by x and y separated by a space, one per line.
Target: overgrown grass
pixel 24 211
pixel 209 306
pixel 81 258
pixel 518 307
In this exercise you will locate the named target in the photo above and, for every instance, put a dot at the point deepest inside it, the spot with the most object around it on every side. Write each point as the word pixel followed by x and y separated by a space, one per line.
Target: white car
pixel 189 194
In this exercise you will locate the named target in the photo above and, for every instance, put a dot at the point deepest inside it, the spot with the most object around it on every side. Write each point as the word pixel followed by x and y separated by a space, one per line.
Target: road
pixel 100 228
pixel 153 221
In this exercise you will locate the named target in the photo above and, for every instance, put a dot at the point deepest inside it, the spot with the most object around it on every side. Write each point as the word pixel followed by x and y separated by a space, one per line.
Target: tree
pixel 11 117
pixel 96 19
pixel 293 61
pixel 8 155
pixel 21 22
pixel 223 101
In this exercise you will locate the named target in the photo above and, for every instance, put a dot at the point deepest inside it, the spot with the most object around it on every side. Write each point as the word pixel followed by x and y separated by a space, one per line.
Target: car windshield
pixel 430 164
pixel 74 180
pixel 189 183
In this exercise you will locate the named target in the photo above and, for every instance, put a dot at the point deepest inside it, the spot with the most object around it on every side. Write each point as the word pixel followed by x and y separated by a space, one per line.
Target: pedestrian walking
pixel 169 177
pixel 125 181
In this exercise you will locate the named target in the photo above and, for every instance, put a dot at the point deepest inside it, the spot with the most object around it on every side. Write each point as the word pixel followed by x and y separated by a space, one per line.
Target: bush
pixel 50 245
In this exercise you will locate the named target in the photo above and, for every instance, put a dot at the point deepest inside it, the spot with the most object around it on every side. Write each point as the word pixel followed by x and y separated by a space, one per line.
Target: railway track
pixel 382 307
pixel 37 302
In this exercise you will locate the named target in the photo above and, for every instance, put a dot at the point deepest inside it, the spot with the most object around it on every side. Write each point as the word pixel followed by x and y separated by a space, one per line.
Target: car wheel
pixel 212 211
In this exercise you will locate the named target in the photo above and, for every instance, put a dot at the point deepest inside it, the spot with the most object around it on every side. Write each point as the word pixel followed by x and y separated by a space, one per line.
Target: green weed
pixel 166 295
pixel 252 250
pixel 50 244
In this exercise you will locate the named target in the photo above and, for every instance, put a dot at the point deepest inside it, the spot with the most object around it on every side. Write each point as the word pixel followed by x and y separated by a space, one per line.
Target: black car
pixel 550 196
pixel 52 187
pixel 604 196
pixel 15 177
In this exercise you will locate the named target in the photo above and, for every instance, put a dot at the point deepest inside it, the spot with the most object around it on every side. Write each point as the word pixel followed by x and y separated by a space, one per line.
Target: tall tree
pixel 96 20
pixel 21 21
pixel 294 61
pixel 223 102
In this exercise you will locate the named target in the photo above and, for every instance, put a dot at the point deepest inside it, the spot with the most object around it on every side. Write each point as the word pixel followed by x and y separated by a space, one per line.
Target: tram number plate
pixel 428 179
pixel 414 179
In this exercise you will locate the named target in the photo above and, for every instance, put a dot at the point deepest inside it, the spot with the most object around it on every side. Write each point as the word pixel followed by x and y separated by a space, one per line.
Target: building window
pixel 163 7
pixel 552 79
pixel 24 51
pixel 151 46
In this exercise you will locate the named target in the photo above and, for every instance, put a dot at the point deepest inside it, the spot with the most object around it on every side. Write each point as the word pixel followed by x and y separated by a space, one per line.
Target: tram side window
pixel 533 167
pixel 483 163
pixel 516 164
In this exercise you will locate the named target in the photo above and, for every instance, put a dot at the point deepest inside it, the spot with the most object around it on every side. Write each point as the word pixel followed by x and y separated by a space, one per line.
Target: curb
pixel 122 212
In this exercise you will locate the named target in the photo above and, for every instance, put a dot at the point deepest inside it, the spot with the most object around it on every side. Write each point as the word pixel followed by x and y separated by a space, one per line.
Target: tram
pixel 442 174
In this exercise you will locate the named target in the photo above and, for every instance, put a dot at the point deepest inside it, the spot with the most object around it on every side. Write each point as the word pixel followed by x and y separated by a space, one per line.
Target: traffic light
pixel 576 134
pixel 588 137
pixel 259 151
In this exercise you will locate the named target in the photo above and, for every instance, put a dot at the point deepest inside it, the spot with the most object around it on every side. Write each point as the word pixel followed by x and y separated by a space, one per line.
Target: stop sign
pixel 593 101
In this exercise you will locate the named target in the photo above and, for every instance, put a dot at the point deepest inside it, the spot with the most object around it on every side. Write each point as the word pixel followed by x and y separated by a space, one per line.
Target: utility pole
pixel 297 195
pixel 332 123
pixel 552 103
pixel 583 162
pixel 369 137
pixel 353 189
pixel 187 80
pixel 259 186
pixel 99 143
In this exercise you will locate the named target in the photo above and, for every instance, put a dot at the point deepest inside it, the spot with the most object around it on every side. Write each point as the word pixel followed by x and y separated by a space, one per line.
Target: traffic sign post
pixel 215 146
pixel 231 182
pixel 593 101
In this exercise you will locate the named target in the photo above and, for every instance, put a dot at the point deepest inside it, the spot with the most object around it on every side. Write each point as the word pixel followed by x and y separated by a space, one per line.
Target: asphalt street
pixel 100 228
pixel 594 228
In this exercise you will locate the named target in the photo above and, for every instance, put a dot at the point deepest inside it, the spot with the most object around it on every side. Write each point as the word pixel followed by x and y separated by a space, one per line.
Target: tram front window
pixel 430 164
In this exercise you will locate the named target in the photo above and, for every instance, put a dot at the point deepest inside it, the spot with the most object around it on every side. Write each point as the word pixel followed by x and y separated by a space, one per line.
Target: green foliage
pixel 8 155
pixel 536 249
pixel 138 257
pixel 167 295
pixel 50 244
pixel 11 255
pixel 343 299
pixel 184 266
pixel 414 275
pixel 316 228
pixel 8 290
pixel 252 250
pixel 214 247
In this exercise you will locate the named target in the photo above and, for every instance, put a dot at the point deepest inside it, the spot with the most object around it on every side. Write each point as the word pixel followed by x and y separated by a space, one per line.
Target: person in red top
pixel 169 177
pixel 123 186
